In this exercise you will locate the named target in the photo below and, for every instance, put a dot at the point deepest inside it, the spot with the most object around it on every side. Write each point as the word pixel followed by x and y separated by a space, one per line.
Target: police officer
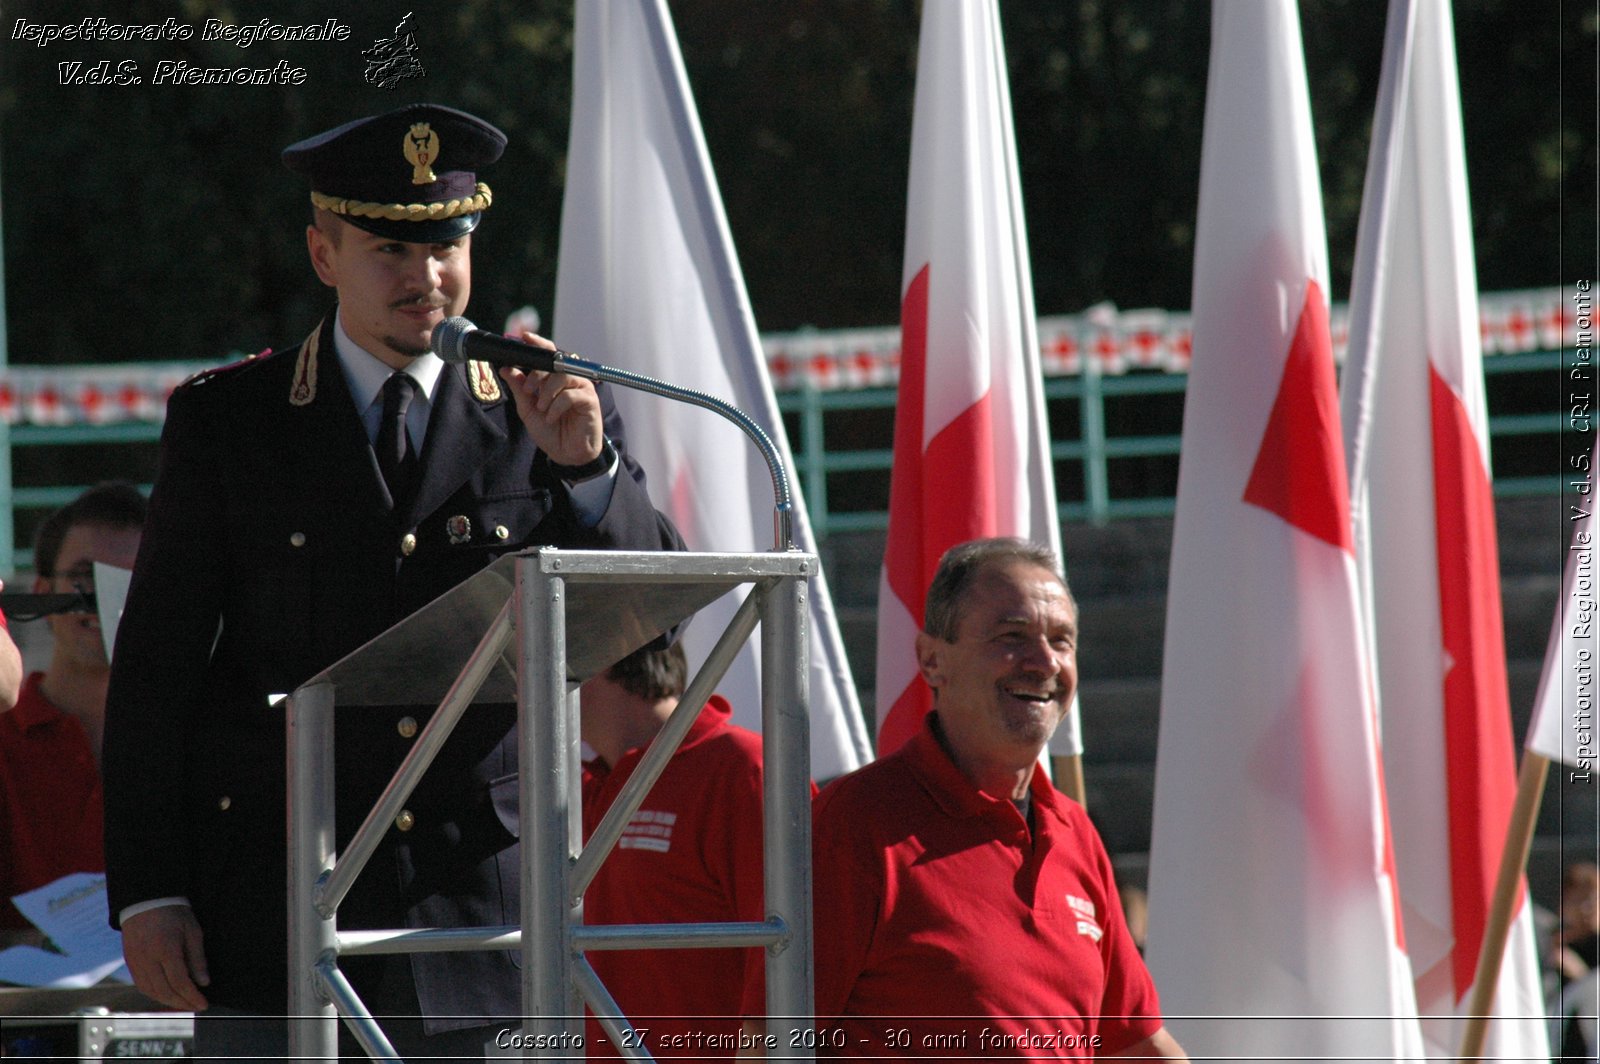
pixel 306 501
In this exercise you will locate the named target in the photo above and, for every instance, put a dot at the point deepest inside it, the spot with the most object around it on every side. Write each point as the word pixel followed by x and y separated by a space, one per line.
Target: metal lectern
pixel 528 629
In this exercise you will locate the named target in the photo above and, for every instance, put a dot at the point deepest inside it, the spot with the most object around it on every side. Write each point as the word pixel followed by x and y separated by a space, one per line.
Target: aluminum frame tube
pixel 548 763
pixel 609 1014
pixel 308 721
pixel 361 1022
pixel 677 936
pixel 786 812
pixel 428 940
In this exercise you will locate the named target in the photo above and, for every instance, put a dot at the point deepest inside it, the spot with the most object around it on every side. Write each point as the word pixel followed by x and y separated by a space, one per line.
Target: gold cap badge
pixel 421 147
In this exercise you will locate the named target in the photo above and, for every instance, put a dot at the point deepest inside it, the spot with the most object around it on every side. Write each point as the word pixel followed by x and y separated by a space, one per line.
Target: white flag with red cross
pixel 971 445
pixel 1273 928
pixel 1417 433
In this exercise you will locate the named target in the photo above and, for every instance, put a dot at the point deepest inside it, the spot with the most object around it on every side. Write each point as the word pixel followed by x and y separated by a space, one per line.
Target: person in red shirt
pixel 964 908
pixel 691 854
pixel 50 802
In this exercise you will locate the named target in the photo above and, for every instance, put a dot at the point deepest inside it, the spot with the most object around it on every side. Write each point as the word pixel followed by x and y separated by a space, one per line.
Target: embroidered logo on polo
pixel 648 830
pixel 1086 917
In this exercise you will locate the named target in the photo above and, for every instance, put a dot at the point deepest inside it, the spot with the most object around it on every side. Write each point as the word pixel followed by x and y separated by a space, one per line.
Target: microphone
pixel 458 340
pixel 22 606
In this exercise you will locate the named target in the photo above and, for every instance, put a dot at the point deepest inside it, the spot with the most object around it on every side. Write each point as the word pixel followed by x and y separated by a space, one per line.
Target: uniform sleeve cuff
pixel 145 906
pixel 591 498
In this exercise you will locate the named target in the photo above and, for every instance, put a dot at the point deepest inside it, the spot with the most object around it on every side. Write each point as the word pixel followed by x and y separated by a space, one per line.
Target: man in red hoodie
pixel 691 854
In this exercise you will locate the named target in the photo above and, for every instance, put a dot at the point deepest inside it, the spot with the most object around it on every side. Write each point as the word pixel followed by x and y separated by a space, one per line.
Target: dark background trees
pixel 154 222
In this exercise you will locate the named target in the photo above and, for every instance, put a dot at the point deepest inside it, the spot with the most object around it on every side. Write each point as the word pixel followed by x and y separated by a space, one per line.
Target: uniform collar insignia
pixel 485 384
pixel 303 389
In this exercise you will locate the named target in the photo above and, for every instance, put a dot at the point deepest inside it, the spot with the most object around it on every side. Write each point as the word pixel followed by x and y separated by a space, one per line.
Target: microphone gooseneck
pixel 458 340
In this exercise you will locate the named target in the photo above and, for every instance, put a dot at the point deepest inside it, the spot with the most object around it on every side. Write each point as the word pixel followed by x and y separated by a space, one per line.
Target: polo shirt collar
pixel 713 718
pixel 365 373
pixel 926 757
pixel 33 709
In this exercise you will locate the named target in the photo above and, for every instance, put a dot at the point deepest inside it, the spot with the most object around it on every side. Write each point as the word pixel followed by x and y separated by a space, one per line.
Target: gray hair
pixel 962 564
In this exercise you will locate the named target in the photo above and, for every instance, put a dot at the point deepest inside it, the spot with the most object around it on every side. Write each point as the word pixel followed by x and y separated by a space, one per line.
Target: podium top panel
pixel 41 1001
pixel 616 602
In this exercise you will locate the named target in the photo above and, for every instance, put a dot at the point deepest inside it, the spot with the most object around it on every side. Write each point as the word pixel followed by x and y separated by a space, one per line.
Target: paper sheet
pixel 110 592
pixel 72 912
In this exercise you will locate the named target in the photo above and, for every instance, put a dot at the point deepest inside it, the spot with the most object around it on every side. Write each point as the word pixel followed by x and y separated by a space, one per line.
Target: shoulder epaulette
pixel 484 381
pixel 214 372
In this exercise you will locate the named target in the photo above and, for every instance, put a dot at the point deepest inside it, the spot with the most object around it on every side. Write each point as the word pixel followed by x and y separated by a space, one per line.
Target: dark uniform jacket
pixel 270 519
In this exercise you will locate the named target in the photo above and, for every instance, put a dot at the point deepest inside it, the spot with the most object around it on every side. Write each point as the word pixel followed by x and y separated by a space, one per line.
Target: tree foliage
pixel 155 222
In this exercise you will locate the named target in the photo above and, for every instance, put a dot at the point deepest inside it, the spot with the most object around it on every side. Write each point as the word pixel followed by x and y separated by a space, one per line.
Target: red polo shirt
pixel 692 853
pixel 50 805
pixel 945 927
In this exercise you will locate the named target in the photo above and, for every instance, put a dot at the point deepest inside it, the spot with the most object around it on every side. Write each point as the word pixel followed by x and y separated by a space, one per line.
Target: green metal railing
pixel 1087 457
pixel 1094 448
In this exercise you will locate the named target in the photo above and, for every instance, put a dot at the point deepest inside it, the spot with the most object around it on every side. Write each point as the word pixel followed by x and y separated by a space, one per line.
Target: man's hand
pixel 561 412
pixel 164 954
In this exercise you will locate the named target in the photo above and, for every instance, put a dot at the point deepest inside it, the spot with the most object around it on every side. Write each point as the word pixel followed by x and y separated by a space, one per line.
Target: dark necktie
pixel 396 459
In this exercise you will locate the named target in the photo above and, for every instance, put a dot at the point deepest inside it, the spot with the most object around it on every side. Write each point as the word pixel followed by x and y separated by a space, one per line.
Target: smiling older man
pixel 964 908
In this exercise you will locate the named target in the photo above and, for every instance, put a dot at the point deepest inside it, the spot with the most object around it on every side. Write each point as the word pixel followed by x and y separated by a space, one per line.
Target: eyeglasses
pixel 80 581
pixel 79 578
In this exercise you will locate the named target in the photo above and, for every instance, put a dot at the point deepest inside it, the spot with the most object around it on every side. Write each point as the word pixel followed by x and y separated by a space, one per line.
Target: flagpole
pixel 1362 352
pixel 1067 772
pixel 1513 859
pixel 1372 247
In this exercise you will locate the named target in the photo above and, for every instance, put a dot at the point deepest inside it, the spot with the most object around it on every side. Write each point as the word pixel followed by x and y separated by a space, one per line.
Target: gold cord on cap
pixel 406 212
